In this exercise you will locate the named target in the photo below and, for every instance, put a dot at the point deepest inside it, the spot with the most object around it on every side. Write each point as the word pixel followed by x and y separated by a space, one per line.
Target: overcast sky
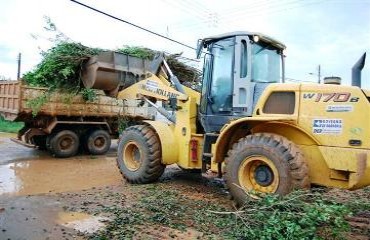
pixel 332 33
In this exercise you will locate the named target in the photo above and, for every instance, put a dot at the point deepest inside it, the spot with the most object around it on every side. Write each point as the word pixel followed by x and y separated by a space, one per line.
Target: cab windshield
pixel 266 63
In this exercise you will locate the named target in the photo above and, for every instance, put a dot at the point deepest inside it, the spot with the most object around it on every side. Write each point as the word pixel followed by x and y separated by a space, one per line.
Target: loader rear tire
pixel 139 155
pixel 265 162
pixel 63 144
pixel 97 142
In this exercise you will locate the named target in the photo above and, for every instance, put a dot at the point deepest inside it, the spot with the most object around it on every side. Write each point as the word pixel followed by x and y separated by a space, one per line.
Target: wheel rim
pixel 99 142
pixel 66 142
pixel 132 156
pixel 258 173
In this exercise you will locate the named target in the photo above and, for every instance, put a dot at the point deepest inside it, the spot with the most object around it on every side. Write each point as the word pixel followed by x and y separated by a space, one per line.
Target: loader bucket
pixel 113 71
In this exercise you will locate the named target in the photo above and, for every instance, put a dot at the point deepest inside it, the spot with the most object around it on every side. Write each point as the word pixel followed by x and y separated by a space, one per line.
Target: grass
pixel 10 127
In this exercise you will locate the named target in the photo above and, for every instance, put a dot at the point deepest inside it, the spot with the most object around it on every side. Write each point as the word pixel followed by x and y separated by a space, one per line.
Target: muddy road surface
pixel 31 187
pixel 47 198
pixel 85 197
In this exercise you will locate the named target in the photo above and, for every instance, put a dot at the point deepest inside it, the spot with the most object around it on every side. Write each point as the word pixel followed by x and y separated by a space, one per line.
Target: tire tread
pixel 275 145
pixel 153 168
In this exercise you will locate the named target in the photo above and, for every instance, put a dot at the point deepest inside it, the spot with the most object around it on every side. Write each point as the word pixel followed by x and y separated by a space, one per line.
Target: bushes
pixel 7 126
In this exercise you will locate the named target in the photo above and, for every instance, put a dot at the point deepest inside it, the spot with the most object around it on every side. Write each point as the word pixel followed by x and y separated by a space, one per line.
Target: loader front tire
pixel 267 163
pixel 139 155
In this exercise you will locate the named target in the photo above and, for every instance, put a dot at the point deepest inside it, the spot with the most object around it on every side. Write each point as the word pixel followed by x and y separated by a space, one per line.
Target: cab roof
pixel 263 37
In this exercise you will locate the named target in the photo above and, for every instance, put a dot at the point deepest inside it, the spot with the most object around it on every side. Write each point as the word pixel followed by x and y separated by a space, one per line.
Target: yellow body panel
pixel 330 124
pixel 167 138
pixel 327 102
pixel 326 119
pixel 353 162
pixel 185 130
pixel 175 138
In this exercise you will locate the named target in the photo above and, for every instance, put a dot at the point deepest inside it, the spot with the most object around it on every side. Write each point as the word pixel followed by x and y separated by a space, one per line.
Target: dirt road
pixel 47 198
pixel 31 182
pixel 85 197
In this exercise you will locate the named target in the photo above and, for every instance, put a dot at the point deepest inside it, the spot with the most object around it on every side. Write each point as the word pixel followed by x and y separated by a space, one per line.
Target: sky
pixel 330 33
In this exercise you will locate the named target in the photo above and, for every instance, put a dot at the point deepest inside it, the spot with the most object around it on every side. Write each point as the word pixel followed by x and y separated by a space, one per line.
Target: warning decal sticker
pixel 327 126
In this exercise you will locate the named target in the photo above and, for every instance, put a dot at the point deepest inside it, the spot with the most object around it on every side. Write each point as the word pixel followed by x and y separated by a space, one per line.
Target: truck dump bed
pixel 15 97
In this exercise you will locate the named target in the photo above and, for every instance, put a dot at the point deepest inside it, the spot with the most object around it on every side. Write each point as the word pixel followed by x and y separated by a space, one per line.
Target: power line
pixel 197 4
pixel 180 6
pixel 255 10
pixel 268 8
pixel 194 6
pixel 230 13
pixel 132 24
pixel 202 15
pixel 243 8
pixel 202 12
pixel 276 9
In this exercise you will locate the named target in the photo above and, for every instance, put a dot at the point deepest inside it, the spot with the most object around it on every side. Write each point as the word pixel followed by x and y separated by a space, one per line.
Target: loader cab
pixel 237 68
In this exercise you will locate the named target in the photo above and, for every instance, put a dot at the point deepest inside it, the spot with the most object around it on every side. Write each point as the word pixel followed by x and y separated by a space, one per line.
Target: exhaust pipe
pixel 356 71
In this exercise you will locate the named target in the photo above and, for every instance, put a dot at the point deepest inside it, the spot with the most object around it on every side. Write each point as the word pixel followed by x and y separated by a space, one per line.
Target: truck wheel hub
pixel 99 142
pixel 66 143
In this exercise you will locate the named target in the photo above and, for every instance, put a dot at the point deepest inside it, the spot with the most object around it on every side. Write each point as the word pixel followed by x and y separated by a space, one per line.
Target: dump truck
pixel 66 124
pixel 248 126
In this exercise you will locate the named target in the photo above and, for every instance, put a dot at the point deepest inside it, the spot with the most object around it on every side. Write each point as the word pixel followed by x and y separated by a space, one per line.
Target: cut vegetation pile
pixel 61 66
pixel 299 215
pixel 185 73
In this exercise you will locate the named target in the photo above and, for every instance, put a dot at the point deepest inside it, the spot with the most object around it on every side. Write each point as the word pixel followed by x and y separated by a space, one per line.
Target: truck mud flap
pixel 23 143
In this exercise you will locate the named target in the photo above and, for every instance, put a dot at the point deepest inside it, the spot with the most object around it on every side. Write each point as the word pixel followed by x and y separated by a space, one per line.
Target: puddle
pixel 57 175
pixel 10 151
pixel 81 222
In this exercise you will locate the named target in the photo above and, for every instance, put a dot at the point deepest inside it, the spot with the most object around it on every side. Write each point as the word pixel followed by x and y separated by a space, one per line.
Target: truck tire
pixel 63 144
pixel 97 142
pixel 265 162
pixel 139 155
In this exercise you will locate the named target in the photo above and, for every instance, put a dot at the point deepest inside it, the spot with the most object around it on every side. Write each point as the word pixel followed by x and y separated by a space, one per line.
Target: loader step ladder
pixel 209 139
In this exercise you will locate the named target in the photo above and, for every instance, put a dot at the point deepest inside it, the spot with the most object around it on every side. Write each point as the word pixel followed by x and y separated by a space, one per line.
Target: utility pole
pixel 19 66
pixel 213 19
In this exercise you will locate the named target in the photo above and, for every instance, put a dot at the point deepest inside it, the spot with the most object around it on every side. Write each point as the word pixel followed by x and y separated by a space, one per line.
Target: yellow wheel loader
pixel 247 125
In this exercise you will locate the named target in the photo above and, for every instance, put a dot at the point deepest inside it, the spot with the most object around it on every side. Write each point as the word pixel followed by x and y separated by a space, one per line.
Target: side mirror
pixel 200 45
